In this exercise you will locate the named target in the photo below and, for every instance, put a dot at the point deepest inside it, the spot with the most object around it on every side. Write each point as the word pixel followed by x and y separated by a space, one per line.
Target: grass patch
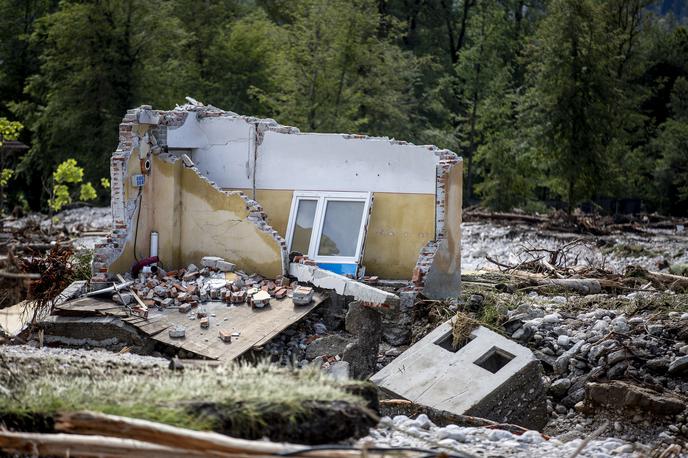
pixel 245 394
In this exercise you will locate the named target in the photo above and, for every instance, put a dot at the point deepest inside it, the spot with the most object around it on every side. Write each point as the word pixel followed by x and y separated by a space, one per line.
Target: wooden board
pixel 256 326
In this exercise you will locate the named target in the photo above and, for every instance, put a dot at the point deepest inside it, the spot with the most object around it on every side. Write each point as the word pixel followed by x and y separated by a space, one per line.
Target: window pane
pixel 341 228
pixel 303 227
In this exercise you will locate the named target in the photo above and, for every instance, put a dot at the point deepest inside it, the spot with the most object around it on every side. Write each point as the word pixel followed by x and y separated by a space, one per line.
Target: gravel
pixel 420 432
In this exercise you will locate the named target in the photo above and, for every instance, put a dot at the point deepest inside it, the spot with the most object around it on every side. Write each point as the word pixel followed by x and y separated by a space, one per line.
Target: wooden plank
pixel 256 327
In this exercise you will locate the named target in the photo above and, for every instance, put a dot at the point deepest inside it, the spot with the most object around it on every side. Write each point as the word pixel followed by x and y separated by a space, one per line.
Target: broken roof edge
pixel 268 124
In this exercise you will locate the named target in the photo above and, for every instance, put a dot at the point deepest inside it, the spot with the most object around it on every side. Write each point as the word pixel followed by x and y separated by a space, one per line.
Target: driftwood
pixel 576 285
pixel 163 435
pixel 35 444
pixel 174 438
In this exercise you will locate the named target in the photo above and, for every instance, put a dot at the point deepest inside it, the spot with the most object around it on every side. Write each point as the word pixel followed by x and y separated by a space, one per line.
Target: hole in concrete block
pixel 446 342
pixel 494 359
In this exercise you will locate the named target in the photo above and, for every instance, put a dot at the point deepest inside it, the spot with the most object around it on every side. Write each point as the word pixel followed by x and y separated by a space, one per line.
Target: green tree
pixel 19 60
pixel 569 97
pixel 97 59
pixel 481 70
pixel 244 60
pixel 338 74
pixel 9 130
pixel 66 177
pixel 671 145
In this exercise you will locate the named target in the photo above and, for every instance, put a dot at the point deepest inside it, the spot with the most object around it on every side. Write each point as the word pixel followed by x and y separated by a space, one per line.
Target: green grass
pixel 246 394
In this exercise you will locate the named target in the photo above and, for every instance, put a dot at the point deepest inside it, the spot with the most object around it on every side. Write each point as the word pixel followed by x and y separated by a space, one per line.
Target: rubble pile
pixel 216 280
pixel 632 364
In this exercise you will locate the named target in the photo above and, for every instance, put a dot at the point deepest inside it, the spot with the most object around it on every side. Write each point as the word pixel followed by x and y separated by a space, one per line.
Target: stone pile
pixel 589 353
pixel 454 440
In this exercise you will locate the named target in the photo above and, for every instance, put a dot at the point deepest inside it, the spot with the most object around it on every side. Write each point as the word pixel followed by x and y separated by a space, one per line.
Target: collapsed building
pixel 200 181
pixel 213 211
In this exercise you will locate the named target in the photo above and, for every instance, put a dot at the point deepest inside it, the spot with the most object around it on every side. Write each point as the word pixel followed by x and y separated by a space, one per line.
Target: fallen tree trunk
pixel 161 434
pixel 176 438
pixel 577 285
pixel 35 444
pixel 581 286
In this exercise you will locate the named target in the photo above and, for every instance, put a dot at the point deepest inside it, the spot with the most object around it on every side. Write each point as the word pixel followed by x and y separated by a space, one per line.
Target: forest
pixel 551 103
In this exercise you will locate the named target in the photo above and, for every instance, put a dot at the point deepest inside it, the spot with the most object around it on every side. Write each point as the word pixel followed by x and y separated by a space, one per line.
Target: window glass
pixel 341 228
pixel 303 227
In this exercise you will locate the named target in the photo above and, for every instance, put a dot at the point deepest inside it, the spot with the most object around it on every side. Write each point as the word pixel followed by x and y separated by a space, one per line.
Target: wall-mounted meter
pixel 138 180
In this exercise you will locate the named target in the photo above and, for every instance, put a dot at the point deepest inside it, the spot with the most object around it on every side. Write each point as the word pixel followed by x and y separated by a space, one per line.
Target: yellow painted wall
pixel 193 220
pixel 400 225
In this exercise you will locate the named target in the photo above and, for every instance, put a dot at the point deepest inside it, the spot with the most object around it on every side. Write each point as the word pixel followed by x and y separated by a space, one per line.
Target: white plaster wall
pixel 334 162
pixel 223 151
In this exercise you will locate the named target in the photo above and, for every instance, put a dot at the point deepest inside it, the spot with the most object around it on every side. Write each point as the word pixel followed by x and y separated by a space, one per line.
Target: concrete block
pixel 210 261
pixel 185 308
pixel 123 298
pixel 177 332
pixel 225 266
pixel 302 295
pixel 490 377
pixel 260 299
pixel 302 272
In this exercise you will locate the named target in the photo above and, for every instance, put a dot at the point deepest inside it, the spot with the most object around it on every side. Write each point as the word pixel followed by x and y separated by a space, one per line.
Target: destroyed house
pixel 210 182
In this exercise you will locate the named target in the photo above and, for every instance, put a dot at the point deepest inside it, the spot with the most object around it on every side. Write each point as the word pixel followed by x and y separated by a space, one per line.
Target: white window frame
pixel 322 198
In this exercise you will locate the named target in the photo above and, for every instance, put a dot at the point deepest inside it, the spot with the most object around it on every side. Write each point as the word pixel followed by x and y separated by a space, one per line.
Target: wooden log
pixel 180 438
pixel 35 444
pixel 579 285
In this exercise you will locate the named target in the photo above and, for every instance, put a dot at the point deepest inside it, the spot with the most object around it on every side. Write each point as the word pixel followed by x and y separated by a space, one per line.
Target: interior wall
pixel 400 225
pixel 195 219
pixel 401 176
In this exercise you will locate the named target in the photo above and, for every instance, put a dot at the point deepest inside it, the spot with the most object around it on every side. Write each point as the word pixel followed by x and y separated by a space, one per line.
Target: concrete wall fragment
pixel 193 217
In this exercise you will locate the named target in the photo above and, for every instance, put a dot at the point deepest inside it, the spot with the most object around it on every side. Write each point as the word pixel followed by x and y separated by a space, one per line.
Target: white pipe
pixel 154 243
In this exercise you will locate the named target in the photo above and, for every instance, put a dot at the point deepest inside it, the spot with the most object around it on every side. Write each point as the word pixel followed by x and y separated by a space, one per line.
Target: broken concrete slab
pixel 489 377
pixel 342 285
pixel 95 331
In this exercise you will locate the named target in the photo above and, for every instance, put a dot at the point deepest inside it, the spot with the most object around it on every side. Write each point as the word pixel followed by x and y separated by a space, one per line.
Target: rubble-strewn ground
pixel 508 243
pixel 634 336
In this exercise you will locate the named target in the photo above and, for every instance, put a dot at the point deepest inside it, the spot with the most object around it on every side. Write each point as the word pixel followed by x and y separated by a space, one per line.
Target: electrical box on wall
pixel 138 180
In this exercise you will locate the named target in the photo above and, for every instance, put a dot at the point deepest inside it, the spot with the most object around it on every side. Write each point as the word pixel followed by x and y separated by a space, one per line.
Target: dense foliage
pixel 555 102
